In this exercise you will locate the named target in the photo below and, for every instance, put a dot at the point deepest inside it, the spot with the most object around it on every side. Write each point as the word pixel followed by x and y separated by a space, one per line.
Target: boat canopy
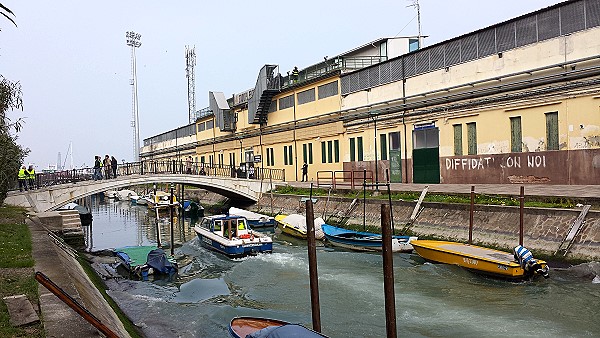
pixel 285 331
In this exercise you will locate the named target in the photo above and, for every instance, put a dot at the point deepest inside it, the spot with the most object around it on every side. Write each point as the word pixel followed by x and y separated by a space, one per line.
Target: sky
pixel 74 66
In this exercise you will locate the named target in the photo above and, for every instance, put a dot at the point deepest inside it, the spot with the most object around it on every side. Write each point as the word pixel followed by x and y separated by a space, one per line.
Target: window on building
pixel 288 155
pixel 232 159
pixel 310 156
pixel 285 155
pixel 286 102
pixel 270 157
pixel 323 152
pixel 394 140
pixel 336 149
pixel 352 150
pixel 202 159
pixel 329 151
pixel 201 126
pixel 413 45
pixel 472 138
pixel 359 146
pixel 516 135
pixel 306 96
pixel 383 146
pixel 210 124
pixel 211 160
pixel 327 90
pixel 552 131
pixel 307 153
pixel 458 139
pixel 221 162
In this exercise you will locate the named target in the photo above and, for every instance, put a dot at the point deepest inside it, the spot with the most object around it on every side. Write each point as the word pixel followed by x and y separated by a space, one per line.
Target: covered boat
pixel 482 260
pixel 364 241
pixel 295 225
pixel 255 220
pixel 193 208
pixel 232 236
pixel 161 201
pixel 256 327
pixel 145 260
pixel 126 195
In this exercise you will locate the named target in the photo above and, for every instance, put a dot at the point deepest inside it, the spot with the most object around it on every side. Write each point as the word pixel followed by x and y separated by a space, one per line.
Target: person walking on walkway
pixel 31 177
pixel 106 164
pixel 305 172
pixel 23 178
pixel 113 166
pixel 188 165
pixel 97 168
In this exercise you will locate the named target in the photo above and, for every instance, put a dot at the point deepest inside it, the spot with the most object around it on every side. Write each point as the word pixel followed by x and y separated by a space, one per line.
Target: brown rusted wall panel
pixel 549 167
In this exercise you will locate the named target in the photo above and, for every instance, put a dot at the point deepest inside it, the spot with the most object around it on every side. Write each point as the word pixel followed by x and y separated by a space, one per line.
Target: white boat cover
pixel 249 215
pixel 299 222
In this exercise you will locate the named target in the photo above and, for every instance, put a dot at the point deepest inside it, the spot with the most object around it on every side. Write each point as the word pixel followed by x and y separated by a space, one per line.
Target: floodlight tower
pixel 133 40
pixel 190 62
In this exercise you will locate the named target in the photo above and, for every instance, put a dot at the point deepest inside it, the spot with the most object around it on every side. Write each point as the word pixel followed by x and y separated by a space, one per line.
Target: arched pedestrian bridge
pixel 52 196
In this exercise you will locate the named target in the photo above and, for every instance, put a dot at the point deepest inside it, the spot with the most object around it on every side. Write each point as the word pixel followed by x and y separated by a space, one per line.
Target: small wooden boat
pixel 256 327
pixel 232 236
pixel 255 220
pixel 478 259
pixel 295 225
pixel 364 241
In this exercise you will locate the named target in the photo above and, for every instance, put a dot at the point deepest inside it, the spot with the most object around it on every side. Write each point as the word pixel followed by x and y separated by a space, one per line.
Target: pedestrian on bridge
pixel 107 165
pixel 97 168
pixel 31 177
pixel 113 166
pixel 22 178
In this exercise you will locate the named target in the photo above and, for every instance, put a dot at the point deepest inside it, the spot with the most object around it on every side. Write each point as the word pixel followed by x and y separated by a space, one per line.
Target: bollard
pixel 521 206
pixel 312 266
pixel 388 272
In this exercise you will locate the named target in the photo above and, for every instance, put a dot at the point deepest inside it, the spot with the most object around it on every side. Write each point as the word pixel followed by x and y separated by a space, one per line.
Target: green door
pixel 426 165
pixel 395 166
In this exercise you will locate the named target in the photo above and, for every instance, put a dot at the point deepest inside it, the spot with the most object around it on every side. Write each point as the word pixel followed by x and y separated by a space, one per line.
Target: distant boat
pixel 126 195
pixel 364 241
pixel 295 225
pixel 256 327
pixel 161 200
pixel 231 235
pixel 111 194
pixel 193 208
pixel 255 220
pixel 478 259
pixel 145 260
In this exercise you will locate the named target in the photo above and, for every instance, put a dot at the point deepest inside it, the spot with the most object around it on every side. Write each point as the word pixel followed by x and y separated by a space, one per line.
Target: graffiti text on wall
pixel 480 163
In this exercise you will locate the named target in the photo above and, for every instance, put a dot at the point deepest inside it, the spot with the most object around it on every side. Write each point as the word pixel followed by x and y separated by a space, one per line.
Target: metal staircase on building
pixel 267 86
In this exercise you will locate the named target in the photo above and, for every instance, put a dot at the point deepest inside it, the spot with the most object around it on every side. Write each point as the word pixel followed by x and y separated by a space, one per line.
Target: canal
pixel 431 299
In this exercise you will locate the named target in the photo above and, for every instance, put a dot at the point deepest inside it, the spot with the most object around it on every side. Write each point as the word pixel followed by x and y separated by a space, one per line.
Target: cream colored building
pixel 517 102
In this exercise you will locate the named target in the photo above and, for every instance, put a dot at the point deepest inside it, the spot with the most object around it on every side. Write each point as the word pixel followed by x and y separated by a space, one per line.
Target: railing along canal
pixel 46 179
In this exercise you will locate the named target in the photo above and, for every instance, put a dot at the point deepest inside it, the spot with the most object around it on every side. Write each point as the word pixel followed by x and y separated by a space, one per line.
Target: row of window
pixel 324 91
pixel 516 135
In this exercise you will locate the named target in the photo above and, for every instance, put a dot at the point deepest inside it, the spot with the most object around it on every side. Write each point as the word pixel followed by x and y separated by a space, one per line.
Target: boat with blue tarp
pixel 364 241
pixel 232 236
pixel 146 260
pixel 257 327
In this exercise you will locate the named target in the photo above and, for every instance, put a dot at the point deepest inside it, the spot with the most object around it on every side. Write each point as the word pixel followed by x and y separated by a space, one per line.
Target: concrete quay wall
pixel 544 228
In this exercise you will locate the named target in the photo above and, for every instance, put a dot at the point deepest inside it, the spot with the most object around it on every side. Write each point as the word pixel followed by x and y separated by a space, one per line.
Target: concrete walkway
pixel 540 190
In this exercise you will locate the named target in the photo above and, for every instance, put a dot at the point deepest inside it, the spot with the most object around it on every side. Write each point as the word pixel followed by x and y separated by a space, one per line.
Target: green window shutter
pixel 304 153
pixel 352 150
pixel 323 153
pixel 552 131
pixel 291 155
pixel 516 138
pixel 285 159
pixel 458 139
pixel 472 138
pixel 329 151
pixel 383 143
pixel 336 147
pixel 359 145
pixel 310 158
pixel 272 156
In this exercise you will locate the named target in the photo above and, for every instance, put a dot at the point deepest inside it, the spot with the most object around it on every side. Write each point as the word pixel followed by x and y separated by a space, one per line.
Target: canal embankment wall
pixel 497 226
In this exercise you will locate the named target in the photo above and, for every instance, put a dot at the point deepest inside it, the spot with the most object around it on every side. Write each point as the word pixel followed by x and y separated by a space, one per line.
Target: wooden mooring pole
pixel 388 273
pixel 171 219
pixel 471 214
pixel 521 206
pixel 312 266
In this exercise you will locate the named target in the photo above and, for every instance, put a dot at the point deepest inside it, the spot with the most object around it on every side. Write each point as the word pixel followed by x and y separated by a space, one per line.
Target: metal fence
pixel 153 168
pixel 346 179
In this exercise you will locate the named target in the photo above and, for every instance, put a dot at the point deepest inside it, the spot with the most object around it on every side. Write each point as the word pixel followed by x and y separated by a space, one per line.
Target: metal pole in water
pixel 388 273
pixel 471 214
pixel 312 266
pixel 364 199
pixel 171 219
pixel 521 206
pixel 389 192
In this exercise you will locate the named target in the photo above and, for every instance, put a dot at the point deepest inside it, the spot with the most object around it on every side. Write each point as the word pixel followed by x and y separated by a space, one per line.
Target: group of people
pixel 106 167
pixel 26 178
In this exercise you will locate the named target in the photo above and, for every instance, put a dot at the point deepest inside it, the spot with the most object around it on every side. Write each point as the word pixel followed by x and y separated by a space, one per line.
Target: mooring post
pixel 471 214
pixel 312 266
pixel 364 199
pixel 388 272
pixel 521 206
pixel 171 217
pixel 181 203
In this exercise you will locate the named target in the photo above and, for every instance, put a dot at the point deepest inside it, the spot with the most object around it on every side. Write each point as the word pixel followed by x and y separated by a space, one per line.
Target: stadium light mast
pixel 190 62
pixel 133 40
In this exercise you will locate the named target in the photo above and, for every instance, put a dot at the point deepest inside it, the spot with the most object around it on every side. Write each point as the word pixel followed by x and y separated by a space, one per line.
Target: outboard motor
pixel 528 263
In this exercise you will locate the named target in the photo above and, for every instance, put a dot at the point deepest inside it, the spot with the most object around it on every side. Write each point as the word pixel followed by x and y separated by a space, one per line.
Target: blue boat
pixel 364 241
pixel 146 260
pixel 232 236
pixel 255 219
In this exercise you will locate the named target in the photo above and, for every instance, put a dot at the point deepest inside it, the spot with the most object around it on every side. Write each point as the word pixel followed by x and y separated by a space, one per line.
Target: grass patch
pixel 16 269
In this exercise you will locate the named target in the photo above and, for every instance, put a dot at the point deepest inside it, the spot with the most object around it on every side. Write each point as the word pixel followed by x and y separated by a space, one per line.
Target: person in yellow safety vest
pixel 31 177
pixel 23 178
pixel 295 75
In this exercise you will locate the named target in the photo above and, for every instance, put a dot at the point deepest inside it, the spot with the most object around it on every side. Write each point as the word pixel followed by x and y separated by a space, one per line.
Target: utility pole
pixel 415 4
pixel 190 62
pixel 133 40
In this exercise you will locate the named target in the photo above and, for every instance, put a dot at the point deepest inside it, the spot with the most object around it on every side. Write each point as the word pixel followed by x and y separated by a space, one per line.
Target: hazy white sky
pixel 73 63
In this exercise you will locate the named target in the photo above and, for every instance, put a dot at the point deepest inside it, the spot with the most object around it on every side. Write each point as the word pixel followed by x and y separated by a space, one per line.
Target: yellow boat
pixel 289 228
pixel 478 259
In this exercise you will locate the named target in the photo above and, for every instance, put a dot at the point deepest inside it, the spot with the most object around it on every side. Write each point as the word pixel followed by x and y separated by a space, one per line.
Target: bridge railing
pixel 148 167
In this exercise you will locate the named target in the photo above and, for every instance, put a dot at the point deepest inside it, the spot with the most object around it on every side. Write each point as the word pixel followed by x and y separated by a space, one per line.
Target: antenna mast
pixel 133 40
pixel 190 62
pixel 415 4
